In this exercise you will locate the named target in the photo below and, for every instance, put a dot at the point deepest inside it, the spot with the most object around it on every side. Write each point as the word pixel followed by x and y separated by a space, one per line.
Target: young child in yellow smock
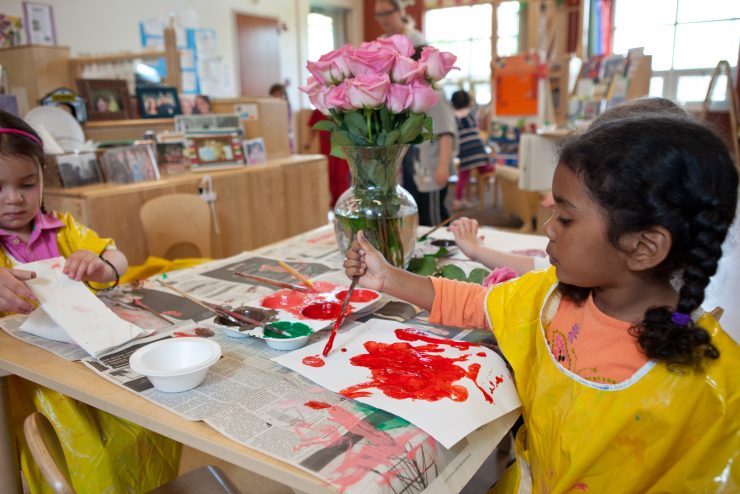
pixel 104 454
pixel 627 386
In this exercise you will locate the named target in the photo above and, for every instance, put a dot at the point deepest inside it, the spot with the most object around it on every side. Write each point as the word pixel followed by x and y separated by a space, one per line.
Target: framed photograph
pixel 208 151
pixel 254 151
pixel 158 102
pixel 77 169
pixel 172 156
pixel 129 164
pixel 10 31
pixel 39 23
pixel 193 104
pixel 107 99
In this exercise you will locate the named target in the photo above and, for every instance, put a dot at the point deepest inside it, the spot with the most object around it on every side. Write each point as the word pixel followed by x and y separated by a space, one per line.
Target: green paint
pixel 294 329
pixel 382 420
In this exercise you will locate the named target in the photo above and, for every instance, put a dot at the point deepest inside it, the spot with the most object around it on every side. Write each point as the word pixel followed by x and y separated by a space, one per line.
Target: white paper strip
pixel 76 310
pixel 447 388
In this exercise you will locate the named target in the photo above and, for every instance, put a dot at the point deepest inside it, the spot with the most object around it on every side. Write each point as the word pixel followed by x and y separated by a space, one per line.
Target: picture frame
pixel 129 164
pixel 195 104
pixel 40 28
pixel 158 102
pixel 254 151
pixel 106 99
pixel 172 154
pixel 78 169
pixel 215 150
pixel 199 124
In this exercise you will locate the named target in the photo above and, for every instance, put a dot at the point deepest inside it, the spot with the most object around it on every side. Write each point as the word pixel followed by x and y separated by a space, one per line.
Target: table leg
pixel 10 472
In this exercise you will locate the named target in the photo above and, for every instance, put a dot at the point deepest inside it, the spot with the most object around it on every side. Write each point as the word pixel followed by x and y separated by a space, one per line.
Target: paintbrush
pixel 138 303
pixel 222 311
pixel 268 281
pixel 439 225
pixel 340 318
pixel 298 275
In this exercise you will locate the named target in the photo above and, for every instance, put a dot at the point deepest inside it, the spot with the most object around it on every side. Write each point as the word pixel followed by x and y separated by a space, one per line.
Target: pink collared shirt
pixel 42 244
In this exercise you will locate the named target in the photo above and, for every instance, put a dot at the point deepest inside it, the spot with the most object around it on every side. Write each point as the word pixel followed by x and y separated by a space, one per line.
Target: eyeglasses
pixel 385 13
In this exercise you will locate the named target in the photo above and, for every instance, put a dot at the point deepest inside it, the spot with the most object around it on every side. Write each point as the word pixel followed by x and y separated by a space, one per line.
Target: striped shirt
pixel 472 152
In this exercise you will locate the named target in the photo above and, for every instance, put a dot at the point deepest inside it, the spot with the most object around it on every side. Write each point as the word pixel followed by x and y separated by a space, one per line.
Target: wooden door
pixel 259 54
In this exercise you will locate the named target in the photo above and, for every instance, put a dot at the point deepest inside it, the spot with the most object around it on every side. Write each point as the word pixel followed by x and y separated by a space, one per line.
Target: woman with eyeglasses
pixel 391 16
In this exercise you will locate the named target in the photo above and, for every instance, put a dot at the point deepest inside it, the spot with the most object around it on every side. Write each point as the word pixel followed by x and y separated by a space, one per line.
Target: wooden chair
pixel 176 226
pixel 47 453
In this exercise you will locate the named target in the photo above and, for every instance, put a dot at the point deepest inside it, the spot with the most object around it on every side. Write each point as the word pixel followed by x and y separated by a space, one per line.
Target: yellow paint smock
pixel 658 432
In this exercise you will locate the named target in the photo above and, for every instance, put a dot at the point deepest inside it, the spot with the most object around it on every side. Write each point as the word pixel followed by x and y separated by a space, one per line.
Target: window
pixel 686 39
pixel 466 32
pixel 320 35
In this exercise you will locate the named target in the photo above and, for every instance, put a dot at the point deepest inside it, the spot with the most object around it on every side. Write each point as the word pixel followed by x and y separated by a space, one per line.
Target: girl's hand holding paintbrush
pixel 374 272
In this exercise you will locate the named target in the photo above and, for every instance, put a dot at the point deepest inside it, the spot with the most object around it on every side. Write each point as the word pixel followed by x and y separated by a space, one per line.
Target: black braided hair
pixel 669 171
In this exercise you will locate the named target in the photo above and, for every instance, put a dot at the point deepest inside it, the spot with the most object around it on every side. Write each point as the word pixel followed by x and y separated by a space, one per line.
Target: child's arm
pixel 466 238
pixel 85 265
pixel 375 273
pixel 15 296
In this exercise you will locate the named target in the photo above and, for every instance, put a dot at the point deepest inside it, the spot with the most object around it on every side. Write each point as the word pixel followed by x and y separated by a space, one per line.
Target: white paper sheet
pixel 477 397
pixel 76 310
pixel 40 324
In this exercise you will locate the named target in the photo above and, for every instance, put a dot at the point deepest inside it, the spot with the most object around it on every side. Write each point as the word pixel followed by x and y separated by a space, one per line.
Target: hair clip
pixel 23 133
pixel 680 318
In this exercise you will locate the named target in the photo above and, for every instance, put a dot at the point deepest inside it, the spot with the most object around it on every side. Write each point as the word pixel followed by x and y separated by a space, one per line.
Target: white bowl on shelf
pixel 176 364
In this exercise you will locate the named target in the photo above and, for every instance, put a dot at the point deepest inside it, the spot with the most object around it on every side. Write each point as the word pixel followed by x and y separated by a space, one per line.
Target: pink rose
pixel 424 97
pixel 336 97
pixel 399 98
pixel 332 67
pixel 371 61
pixel 406 70
pixel 398 43
pixel 312 86
pixel 319 99
pixel 437 63
pixel 368 90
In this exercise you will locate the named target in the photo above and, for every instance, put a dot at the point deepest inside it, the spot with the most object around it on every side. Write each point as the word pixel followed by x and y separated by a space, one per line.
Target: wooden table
pixel 79 382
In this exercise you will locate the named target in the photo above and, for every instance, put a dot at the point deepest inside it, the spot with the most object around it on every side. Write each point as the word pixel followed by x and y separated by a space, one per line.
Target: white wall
pixel 104 26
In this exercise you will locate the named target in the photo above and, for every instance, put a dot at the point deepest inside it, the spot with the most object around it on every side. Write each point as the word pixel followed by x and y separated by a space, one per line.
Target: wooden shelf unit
pixel 255 206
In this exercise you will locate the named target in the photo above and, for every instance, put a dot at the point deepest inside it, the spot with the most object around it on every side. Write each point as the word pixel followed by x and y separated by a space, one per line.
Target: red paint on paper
pixel 317 405
pixel 413 335
pixel 173 313
pixel 481 354
pixel 472 374
pixel 495 384
pixel 361 296
pixel 313 361
pixel 344 349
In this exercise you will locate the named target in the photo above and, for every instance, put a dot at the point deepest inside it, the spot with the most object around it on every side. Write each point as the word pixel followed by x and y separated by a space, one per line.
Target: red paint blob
pixel 316 405
pixel 481 354
pixel 324 286
pixel 402 371
pixel 322 310
pixel 358 296
pixel 313 361
pixel 293 301
pixel 344 349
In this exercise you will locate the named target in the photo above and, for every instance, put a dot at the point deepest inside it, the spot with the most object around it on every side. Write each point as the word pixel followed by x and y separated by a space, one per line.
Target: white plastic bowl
pixel 176 364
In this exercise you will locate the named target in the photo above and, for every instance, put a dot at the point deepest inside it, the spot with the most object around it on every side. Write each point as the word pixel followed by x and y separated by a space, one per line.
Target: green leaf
pixel 477 275
pixel 380 140
pixel 428 124
pixel 355 122
pixel 392 137
pixel 336 152
pixel 452 272
pixel 341 138
pixel 325 125
pixel 385 118
pixel 411 127
pixel 424 266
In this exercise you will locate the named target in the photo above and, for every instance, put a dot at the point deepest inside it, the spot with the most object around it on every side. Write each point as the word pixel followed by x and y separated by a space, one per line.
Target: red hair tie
pixel 22 133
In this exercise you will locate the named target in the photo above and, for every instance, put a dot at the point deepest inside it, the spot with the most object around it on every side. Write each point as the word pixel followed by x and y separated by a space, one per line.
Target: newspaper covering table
pixel 260 404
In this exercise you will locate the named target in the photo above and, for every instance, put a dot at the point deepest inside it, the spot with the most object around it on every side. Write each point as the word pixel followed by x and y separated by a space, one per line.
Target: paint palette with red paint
pixel 318 309
pixel 446 387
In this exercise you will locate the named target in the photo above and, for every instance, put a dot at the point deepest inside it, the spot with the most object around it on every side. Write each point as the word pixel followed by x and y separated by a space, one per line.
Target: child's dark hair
pixel 460 99
pixel 669 171
pixel 18 144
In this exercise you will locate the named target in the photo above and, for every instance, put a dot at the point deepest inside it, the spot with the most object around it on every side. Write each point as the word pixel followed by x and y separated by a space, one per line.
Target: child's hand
pixel 465 231
pixel 365 261
pixel 85 265
pixel 15 296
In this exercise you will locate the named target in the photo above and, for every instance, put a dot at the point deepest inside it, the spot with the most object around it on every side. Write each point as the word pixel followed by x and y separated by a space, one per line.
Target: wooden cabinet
pixel 35 70
pixel 255 205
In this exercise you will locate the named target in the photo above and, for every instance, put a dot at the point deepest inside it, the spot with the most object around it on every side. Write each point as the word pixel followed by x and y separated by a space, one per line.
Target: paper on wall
pixel 75 310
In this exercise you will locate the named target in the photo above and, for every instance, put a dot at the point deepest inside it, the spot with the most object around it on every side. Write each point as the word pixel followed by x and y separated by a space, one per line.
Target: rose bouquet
pixel 376 97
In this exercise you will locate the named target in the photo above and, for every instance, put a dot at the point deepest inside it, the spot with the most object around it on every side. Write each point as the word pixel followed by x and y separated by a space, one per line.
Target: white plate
pixel 62 126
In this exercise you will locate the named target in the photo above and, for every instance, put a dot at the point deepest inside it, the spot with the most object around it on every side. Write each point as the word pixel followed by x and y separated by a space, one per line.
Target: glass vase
pixel 376 204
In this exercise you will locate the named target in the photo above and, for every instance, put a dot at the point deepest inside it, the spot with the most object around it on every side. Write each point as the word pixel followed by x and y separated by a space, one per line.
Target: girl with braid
pixel 626 384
